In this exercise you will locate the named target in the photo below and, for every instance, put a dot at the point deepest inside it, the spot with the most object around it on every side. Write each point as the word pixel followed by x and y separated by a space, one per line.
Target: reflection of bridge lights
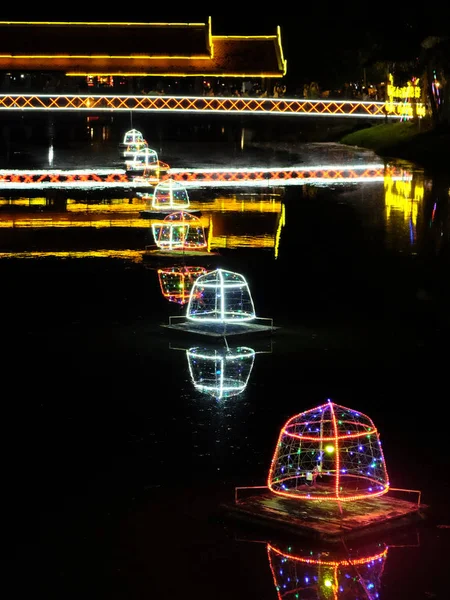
pixel 245 177
pixel 326 575
pixel 220 372
pixel 176 282
pixel 282 176
pixel 180 231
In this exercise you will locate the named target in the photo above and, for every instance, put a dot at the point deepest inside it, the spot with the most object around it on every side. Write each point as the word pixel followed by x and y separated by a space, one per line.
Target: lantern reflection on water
pixel 170 194
pixel 220 372
pixel 335 445
pixel 144 159
pixel 327 575
pixel 176 282
pixel 180 231
pixel 221 297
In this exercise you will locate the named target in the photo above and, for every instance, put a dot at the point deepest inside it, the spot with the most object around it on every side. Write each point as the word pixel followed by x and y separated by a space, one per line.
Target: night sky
pixel 320 43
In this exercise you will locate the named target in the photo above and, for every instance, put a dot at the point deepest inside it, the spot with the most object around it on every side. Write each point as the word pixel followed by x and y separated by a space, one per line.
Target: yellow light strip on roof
pixel 244 37
pixel 280 47
pixel 196 74
pixel 102 23
pixel 97 56
pixel 210 42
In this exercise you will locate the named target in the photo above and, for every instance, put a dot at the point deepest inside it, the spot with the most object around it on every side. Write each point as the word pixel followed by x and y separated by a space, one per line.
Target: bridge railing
pixel 206 104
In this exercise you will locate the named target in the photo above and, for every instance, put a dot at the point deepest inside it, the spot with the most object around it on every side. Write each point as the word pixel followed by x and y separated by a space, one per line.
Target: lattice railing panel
pixel 271 106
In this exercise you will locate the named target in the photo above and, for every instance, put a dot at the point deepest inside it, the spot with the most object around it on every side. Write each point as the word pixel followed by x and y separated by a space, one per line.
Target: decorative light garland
pixel 333 445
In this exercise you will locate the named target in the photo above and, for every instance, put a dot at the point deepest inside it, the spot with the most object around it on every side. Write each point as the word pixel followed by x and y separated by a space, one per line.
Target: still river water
pixel 116 462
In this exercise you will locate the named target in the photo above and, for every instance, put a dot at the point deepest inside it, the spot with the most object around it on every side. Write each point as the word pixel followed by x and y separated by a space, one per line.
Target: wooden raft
pixel 323 520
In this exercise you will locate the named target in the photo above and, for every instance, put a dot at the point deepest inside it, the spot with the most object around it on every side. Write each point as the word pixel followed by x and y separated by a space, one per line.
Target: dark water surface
pixel 115 462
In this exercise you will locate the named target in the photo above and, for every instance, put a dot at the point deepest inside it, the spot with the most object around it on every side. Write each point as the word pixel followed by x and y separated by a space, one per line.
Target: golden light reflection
pixel 124 213
pixel 135 256
pixel 403 201
pixel 281 224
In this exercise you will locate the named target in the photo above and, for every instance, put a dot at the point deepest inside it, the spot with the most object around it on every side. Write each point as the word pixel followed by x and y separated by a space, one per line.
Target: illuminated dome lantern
pixel 143 159
pixel 131 149
pixel 133 136
pixel 329 453
pixel 170 194
pixel 221 372
pixel 180 231
pixel 221 297
pixel 329 574
pixel 176 282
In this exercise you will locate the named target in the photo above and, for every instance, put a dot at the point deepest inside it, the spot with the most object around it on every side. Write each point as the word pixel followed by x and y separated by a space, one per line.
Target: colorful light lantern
pixel 221 297
pixel 131 150
pixel 133 136
pixel 170 194
pixel 328 453
pixel 180 231
pixel 176 282
pixel 144 159
pixel 327 575
pixel 220 372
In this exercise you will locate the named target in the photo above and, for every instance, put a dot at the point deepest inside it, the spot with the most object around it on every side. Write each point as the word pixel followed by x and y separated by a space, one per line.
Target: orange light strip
pixel 312 498
pixel 196 177
pixel 330 563
pixel 255 175
pixel 199 104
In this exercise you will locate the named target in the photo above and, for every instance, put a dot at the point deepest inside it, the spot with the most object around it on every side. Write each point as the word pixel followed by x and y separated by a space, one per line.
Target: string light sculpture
pixel 170 194
pixel 176 282
pixel 133 136
pixel 221 297
pixel 328 453
pixel 220 372
pixel 327 575
pixel 180 231
pixel 131 149
pixel 144 159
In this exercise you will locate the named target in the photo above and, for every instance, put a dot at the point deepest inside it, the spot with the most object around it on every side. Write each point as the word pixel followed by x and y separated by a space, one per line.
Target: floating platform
pixel 260 326
pixel 323 521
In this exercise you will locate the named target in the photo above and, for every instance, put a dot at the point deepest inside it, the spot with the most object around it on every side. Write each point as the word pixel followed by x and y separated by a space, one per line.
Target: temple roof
pixel 117 39
pixel 171 49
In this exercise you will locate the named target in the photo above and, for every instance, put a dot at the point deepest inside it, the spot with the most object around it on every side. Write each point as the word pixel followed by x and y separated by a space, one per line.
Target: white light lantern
pixel 221 297
pixel 221 372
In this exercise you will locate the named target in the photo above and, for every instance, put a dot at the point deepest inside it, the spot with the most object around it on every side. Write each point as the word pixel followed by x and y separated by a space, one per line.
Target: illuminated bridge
pixel 298 107
pixel 209 73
